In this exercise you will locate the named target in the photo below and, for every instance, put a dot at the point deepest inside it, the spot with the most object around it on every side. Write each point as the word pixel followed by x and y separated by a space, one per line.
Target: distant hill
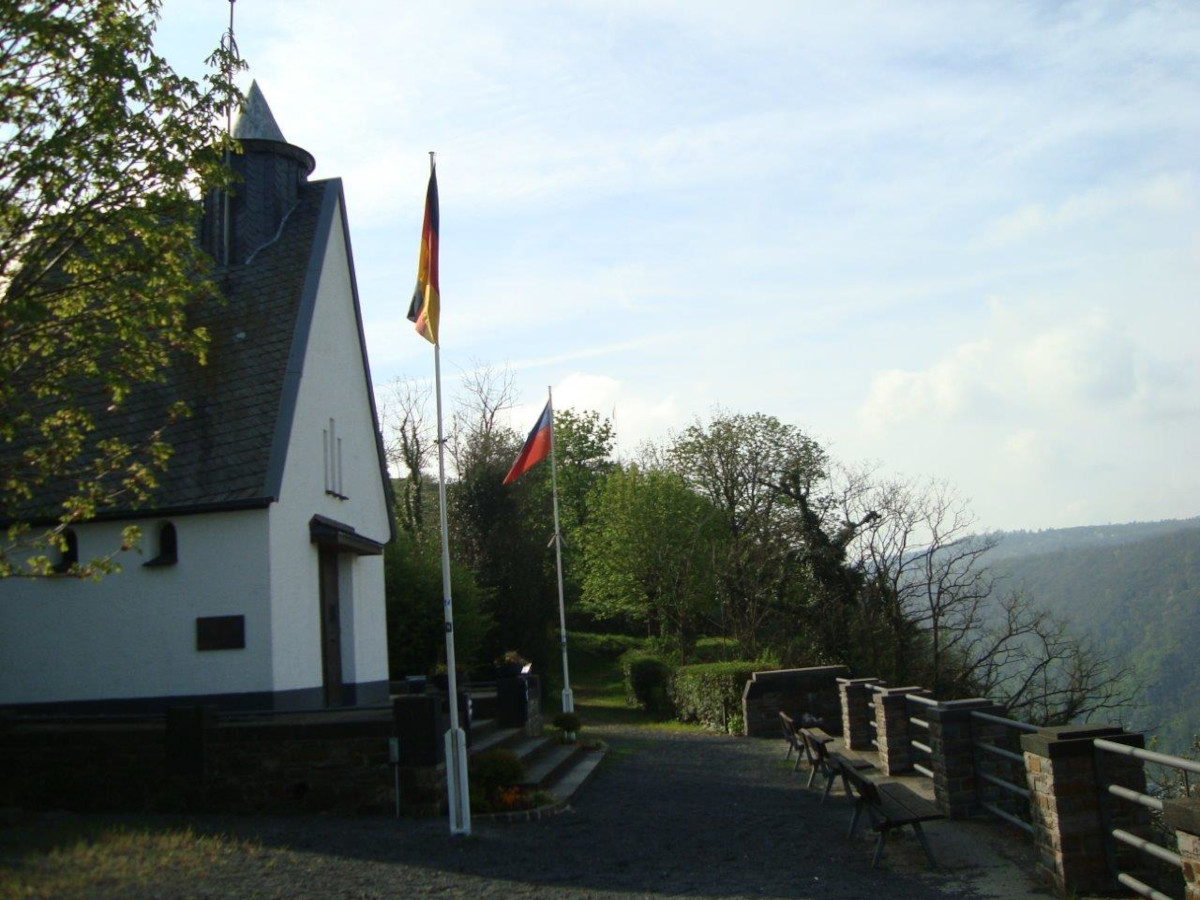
pixel 1136 589
pixel 1052 540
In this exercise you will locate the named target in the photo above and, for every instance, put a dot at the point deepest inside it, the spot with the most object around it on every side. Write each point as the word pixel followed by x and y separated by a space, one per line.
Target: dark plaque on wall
pixel 221 633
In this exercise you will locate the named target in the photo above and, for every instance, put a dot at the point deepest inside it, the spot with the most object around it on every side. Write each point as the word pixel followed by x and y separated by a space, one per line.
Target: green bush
pixel 711 693
pixel 716 649
pixel 568 722
pixel 646 683
pixel 609 646
pixel 492 773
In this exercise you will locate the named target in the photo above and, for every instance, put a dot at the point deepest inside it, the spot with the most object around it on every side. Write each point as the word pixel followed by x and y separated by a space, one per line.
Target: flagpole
pixel 457 787
pixel 568 699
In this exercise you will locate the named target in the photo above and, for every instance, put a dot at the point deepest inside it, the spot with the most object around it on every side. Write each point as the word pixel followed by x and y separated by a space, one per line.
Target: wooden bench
pixel 794 742
pixel 816 751
pixel 889 805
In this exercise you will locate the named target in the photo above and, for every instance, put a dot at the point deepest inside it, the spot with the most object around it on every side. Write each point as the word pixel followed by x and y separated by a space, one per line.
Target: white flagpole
pixel 568 699
pixel 457 788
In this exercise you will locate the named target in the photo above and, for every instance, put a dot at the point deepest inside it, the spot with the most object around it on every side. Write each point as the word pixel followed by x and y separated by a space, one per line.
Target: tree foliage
pixel 415 617
pixel 104 153
pixel 649 552
pixel 736 462
pixel 742 528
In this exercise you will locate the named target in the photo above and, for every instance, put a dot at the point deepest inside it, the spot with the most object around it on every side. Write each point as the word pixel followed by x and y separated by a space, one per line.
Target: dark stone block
pixel 1182 815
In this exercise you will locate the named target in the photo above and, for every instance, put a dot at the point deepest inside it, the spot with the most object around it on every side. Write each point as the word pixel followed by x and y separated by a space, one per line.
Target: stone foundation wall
pixel 195 763
pixel 344 767
pixel 86 767
pixel 797 692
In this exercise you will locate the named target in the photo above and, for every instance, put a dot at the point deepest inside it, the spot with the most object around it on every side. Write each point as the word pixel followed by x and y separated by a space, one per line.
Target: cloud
pixel 1025 365
pixel 1164 194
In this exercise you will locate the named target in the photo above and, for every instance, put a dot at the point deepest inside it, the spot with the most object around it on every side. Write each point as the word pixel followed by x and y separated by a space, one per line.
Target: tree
pixel 415 617
pixel 409 442
pixel 583 444
pixel 649 549
pixel 934 614
pixel 494 529
pixel 104 152
pixel 736 462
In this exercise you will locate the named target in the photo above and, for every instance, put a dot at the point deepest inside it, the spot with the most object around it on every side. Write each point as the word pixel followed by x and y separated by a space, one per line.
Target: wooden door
pixel 331 629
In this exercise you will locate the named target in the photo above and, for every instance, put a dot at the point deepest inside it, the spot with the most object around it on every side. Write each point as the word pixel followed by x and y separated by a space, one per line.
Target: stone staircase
pixel 560 769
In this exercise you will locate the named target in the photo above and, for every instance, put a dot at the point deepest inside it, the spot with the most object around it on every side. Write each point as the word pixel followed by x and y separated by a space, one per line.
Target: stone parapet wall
pixel 953 731
pixel 1065 805
pixel 1182 816
pixel 893 731
pixel 855 696
pixel 797 692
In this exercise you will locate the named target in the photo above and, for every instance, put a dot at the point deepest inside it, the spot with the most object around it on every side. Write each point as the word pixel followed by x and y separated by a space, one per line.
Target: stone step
pixel 495 737
pixel 529 749
pixel 574 777
pixel 481 727
pixel 549 763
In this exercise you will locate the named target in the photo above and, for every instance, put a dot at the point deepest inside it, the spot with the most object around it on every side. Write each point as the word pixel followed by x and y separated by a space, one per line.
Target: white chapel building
pixel 258 583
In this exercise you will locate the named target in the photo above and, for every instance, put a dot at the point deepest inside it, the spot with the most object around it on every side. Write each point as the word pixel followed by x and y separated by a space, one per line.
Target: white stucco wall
pixel 332 386
pixel 133 633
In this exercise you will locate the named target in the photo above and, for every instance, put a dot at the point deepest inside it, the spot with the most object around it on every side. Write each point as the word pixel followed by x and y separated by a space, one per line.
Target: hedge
pixel 603 645
pixel 647 680
pixel 711 693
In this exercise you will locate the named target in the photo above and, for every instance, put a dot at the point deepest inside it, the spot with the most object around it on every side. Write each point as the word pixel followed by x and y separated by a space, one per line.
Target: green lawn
pixel 72 858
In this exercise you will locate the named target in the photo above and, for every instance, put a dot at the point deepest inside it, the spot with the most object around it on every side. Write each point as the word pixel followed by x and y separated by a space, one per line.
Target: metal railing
pixel 992 763
pixel 1118 835
pixel 919 746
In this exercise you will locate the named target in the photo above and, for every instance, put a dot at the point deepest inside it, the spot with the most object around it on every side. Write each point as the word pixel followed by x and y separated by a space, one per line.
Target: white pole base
pixel 456 781
pixel 568 700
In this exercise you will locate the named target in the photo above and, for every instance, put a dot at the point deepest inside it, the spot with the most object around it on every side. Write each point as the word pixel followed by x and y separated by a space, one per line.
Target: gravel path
pixel 666 816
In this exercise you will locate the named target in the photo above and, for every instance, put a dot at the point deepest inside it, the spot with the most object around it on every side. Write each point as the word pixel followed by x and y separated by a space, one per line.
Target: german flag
pixel 426 300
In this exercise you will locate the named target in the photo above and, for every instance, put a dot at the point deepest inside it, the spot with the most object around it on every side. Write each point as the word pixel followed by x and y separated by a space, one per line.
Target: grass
pixel 82 857
pixel 599 688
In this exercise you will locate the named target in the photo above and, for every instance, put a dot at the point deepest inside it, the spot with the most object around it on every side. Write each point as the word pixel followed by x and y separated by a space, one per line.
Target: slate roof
pixel 230 452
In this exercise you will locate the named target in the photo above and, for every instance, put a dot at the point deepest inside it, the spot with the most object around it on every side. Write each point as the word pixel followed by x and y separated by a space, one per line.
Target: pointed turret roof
pixel 254 121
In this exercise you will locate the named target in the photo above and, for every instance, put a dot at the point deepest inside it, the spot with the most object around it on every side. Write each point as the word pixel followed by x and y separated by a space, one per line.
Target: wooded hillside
pixel 1136 589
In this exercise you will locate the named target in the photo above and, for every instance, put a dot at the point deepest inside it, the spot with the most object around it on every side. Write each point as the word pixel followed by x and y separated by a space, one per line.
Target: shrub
pixel 715 649
pixel 568 723
pixel 711 693
pixel 493 773
pixel 646 683
pixel 608 646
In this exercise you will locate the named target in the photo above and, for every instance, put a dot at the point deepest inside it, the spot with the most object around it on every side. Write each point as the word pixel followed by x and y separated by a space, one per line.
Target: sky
pixel 953 240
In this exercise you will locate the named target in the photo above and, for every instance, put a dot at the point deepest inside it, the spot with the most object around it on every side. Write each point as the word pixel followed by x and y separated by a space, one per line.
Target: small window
pixel 168 547
pixel 69 555
pixel 333 461
pixel 221 633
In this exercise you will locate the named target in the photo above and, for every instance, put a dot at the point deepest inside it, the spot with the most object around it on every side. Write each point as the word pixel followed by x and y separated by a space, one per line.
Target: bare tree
pixel 409 441
pixel 941 617
pixel 486 393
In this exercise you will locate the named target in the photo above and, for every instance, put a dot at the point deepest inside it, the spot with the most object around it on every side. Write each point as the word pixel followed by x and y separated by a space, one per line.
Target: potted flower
pixel 511 664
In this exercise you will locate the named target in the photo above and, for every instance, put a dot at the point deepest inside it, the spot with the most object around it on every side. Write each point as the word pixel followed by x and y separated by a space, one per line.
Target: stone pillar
pixel 952 735
pixel 893 732
pixel 1183 817
pixel 855 694
pixel 1066 804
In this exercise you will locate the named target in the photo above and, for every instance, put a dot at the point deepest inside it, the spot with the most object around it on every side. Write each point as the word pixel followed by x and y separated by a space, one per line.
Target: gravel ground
pixel 665 816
